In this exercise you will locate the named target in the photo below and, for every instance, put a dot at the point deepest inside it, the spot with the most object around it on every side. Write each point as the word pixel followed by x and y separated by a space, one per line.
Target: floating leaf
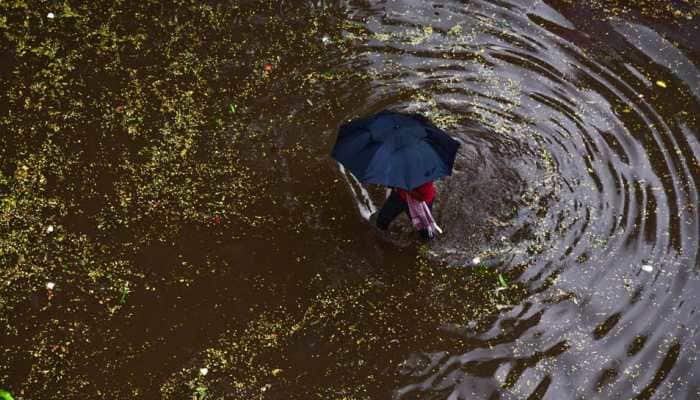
pixel 200 393
pixel 125 294
pixel 661 84
pixel 5 395
pixel 232 108
pixel 502 281
pixel 481 270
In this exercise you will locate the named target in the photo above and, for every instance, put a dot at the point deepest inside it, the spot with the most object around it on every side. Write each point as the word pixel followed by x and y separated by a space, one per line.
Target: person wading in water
pixel 418 203
pixel 404 152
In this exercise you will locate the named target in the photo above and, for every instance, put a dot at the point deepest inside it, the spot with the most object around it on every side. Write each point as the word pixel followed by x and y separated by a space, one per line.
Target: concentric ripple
pixel 578 171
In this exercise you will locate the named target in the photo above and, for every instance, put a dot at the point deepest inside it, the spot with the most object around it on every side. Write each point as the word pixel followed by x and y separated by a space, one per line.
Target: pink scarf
pixel 421 216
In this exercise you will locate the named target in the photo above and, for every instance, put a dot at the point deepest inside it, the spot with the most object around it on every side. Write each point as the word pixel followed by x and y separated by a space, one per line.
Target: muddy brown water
pixel 605 161
pixel 576 183
pixel 599 163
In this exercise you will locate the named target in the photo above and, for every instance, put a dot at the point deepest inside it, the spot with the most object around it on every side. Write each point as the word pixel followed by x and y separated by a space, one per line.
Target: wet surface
pixel 170 176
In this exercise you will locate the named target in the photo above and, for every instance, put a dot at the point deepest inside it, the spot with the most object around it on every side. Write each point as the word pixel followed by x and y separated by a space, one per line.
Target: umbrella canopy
pixel 395 149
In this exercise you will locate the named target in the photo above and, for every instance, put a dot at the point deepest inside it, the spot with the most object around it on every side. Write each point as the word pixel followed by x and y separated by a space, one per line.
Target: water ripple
pixel 580 167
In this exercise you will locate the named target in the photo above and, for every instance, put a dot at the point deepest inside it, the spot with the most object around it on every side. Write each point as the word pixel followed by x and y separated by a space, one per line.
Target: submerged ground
pixel 171 225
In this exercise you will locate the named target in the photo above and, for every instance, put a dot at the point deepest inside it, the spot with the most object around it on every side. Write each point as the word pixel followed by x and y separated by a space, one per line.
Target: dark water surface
pixel 594 144
pixel 203 244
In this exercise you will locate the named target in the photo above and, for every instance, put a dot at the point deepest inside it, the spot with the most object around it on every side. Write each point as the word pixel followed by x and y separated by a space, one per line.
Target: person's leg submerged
pixel 424 235
pixel 393 206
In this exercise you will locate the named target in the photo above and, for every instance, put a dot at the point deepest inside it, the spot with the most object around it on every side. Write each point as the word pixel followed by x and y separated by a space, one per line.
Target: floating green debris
pixel 503 23
pixel 200 393
pixel 382 37
pixel 455 30
pixel 661 84
pixel 481 270
pixel 5 395
pixel 418 36
pixel 502 281
pixel 169 155
pixel 124 294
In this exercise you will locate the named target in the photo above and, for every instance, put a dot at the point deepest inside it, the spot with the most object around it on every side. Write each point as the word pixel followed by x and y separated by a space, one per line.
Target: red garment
pixel 425 192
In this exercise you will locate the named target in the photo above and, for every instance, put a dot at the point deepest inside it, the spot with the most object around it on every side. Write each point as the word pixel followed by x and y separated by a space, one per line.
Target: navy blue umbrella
pixel 395 149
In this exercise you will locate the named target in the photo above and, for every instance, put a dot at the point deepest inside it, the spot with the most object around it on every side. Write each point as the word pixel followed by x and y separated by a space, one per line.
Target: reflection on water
pixel 583 179
pixel 575 187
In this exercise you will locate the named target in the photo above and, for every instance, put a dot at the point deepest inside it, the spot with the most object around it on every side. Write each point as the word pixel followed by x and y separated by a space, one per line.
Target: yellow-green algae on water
pixel 133 133
pixel 353 332
pixel 679 11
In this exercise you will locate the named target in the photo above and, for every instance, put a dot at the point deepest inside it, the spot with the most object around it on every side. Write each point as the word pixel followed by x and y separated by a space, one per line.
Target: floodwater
pixel 575 187
pixel 586 171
